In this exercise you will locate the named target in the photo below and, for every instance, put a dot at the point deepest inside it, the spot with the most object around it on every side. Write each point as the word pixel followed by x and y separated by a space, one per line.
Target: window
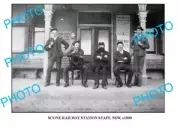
pixel 18 39
pixel 161 44
pixel 86 41
pixel 151 41
pixel 38 36
pixel 104 37
pixel 94 18
pixel 17 9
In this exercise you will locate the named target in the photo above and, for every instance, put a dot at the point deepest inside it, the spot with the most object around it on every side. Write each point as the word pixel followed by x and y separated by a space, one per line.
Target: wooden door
pixel 89 37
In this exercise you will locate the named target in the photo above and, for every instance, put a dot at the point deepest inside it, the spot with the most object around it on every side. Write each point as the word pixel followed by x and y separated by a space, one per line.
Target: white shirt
pixel 55 38
pixel 121 51
pixel 52 42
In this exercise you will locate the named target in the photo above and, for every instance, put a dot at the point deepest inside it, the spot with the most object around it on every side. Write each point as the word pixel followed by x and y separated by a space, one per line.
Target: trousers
pixel 51 62
pixel 84 70
pixel 104 69
pixel 138 67
pixel 126 67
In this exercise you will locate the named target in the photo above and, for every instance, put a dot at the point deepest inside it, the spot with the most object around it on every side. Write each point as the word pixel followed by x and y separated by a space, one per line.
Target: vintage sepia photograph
pixel 87 58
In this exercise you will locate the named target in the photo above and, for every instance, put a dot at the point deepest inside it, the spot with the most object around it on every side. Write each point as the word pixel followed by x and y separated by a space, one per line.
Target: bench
pixel 30 64
pixel 35 65
pixel 156 65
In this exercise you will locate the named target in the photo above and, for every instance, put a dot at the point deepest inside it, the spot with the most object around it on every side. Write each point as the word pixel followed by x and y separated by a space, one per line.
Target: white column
pixel 142 17
pixel 48 11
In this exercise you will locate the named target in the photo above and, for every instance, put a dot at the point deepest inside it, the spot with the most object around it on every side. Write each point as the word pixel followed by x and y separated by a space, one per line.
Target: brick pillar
pixel 142 18
pixel 48 11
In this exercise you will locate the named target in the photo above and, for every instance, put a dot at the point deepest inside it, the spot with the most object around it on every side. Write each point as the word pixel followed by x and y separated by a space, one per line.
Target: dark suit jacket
pixel 139 50
pixel 76 60
pixel 119 57
pixel 104 60
pixel 55 50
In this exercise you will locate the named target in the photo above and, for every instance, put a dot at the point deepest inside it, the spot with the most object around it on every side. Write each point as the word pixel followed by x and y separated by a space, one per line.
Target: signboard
pixel 123 30
pixel 122 25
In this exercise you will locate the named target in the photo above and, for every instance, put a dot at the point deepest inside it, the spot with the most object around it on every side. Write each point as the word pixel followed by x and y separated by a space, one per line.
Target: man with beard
pixel 55 54
pixel 122 60
pixel 101 59
pixel 76 62
pixel 139 44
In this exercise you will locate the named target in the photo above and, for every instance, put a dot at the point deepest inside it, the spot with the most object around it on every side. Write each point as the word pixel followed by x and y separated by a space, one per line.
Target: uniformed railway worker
pixel 101 58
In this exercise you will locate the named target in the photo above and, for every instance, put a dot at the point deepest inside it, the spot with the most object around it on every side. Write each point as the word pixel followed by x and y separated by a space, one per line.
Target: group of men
pixel 122 60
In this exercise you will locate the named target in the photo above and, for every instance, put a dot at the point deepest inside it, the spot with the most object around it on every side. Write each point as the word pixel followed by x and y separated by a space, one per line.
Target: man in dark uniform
pixel 139 44
pixel 101 58
pixel 55 54
pixel 76 55
pixel 122 60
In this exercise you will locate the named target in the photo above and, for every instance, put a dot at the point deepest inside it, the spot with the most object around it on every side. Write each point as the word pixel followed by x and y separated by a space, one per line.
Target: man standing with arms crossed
pixel 55 54
pixel 139 44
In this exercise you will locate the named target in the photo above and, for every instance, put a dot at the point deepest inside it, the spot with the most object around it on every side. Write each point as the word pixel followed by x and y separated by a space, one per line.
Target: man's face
pixel 54 33
pixel 101 46
pixel 139 31
pixel 120 47
pixel 76 45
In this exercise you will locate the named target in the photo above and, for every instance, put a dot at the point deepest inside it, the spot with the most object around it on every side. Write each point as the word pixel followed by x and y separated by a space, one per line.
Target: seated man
pixel 101 58
pixel 76 62
pixel 122 60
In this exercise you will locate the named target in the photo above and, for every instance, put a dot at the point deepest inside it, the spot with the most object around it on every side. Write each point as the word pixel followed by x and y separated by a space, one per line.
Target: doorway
pixel 89 37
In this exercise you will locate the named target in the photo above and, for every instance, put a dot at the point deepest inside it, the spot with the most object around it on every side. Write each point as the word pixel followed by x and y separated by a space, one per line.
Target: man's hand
pixel 105 56
pixel 81 56
pixel 140 43
pixel 120 61
pixel 125 58
pixel 100 57
pixel 50 45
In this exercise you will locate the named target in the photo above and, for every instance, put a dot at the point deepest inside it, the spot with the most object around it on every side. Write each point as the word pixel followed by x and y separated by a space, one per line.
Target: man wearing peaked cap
pixel 101 60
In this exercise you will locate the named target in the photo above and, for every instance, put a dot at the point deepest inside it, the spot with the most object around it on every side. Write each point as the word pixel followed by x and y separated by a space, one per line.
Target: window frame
pixel 25 38
pixel 91 40
pixel 33 41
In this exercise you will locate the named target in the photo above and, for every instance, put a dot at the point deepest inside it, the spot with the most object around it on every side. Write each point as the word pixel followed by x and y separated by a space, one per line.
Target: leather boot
pixel 46 84
pixel 96 86
pixel 85 85
pixel 129 85
pixel 66 84
pixel 57 84
pixel 104 86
